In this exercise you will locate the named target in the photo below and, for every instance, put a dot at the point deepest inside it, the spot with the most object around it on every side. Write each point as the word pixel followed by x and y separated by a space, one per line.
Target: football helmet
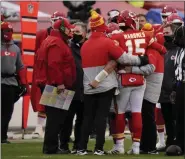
pixel 173 21
pixel 174 18
pixel 128 19
pixel 113 15
pixel 166 11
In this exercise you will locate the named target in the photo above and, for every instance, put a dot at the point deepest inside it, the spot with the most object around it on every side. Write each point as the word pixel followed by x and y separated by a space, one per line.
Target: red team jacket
pixel 96 52
pixel 136 42
pixel 35 90
pixel 154 81
pixel 55 64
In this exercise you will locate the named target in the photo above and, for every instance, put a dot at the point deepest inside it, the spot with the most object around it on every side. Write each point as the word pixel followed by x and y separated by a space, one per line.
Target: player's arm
pixel 149 68
pixel 121 57
pixel 144 70
pixel 111 66
pixel 155 45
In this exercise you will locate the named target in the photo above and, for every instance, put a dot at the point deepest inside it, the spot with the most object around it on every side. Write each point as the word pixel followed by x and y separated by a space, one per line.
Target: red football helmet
pixel 166 11
pixel 113 15
pixel 174 18
pixel 112 27
pixel 128 19
pixel 57 15
pixel 172 23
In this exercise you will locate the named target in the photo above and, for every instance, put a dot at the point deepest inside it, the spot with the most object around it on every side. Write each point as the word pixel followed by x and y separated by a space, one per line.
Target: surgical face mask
pixel 168 38
pixel 7 35
pixel 77 38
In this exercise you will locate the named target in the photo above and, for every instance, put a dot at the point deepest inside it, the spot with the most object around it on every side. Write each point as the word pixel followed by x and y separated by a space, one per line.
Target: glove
pixel 143 59
pixel 21 90
pixel 173 97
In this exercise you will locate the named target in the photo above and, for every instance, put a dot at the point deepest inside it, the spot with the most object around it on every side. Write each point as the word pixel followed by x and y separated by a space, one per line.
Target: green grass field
pixel 32 149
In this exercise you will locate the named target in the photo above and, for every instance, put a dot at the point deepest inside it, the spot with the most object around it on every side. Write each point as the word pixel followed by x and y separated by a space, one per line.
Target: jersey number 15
pixel 134 46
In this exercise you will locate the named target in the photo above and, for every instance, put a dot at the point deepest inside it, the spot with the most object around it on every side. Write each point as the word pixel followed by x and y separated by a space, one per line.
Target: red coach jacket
pixel 55 64
pixel 35 90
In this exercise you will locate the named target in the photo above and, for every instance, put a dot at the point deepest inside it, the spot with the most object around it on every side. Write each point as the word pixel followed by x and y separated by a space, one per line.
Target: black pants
pixel 168 112
pixel 149 130
pixel 98 104
pixel 54 122
pixel 180 103
pixel 8 94
pixel 77 108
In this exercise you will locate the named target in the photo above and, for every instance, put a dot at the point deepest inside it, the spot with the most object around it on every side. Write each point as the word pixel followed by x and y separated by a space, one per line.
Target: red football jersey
pixel 135 41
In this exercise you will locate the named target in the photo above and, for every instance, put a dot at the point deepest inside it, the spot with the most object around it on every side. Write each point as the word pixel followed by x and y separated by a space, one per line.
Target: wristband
pixel 101 76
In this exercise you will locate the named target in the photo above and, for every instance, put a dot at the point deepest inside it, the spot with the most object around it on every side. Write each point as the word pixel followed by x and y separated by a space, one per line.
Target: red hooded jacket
pixel 55 64
pixel 35 90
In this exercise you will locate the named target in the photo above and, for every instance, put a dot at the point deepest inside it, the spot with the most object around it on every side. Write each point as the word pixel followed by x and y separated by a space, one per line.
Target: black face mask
pixel 168 38
pixel 77 38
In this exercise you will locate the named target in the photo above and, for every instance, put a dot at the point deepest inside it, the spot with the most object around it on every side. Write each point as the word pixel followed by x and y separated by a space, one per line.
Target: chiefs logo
pixel 172 57
pixel 7 53
pixel 116 42
pixel 132 79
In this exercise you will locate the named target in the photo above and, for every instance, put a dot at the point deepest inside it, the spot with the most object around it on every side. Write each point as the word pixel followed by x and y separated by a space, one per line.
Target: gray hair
pixel 83 25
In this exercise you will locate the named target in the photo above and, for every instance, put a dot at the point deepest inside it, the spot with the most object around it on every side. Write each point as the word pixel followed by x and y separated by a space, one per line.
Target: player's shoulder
pixel 116 36
pixel 42 32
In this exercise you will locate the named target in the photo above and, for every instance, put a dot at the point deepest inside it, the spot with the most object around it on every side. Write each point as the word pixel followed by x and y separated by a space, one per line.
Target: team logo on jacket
pixel 7 53
pixel 30 8
pixel 172 57
pixel 132 79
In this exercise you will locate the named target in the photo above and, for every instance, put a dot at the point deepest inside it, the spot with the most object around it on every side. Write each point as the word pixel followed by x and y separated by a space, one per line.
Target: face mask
pixel 168 38
pixel 77 38
pixel 7 36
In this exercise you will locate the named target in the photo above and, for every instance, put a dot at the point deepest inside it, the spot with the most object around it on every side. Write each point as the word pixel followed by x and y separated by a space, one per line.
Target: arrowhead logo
pixel 172 57
pixel 132 79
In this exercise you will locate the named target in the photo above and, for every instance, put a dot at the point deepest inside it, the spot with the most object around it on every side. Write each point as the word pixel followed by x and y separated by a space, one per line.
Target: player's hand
pixel 60 88
pixel 128 69
pixel 94 84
